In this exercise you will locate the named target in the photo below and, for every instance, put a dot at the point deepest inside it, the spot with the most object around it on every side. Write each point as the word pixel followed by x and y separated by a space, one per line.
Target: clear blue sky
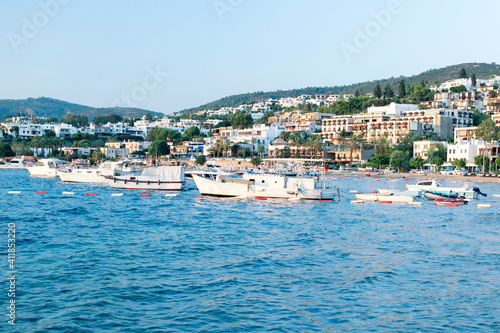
pixel 96 52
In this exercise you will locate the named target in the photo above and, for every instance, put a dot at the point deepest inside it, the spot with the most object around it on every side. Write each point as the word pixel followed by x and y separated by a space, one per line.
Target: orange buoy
pixel 144 195
pixel 90 194
pixel 260 198
pixel 40 192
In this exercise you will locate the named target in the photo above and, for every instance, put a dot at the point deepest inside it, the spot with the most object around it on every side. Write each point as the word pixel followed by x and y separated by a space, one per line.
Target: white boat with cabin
pixel 47 167
pixel 90 175
pixel 433 186
pixel 163 178
pixel 267 186
pixel 14 163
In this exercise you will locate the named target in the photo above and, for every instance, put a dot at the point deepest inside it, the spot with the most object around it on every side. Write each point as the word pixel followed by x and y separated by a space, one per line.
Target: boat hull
pixel 40 172
pixel 137 184
pixel 450 202
pixel 232 189
pixel 81 177
pixel 446 192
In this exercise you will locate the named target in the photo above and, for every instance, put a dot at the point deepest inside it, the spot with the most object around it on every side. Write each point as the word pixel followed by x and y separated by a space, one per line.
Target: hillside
pixel 49 107
pixel 431 76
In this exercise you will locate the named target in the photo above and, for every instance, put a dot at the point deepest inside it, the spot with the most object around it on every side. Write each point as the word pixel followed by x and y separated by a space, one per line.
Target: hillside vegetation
pixel 431 76
pixel 49 107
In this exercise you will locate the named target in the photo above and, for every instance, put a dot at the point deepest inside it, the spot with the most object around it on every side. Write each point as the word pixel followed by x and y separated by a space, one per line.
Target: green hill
pixel 431 76
pixel 49 107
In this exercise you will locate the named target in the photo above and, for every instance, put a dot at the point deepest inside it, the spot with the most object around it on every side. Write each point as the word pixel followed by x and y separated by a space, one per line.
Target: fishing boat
pixel 450 202
pixel 48 167
pixel 90 175
pixel 163 178
pixel 267 186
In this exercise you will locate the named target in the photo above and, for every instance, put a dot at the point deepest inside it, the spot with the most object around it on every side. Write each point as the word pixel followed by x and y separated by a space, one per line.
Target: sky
pixel 169 55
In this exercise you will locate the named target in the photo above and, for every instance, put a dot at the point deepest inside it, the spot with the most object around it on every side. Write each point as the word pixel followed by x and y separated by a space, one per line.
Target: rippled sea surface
pixel 178 264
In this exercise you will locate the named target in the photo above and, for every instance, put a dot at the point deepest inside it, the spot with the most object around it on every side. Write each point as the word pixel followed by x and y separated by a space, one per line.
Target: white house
pixel 420 148
pixel 393 109
pixel 465 149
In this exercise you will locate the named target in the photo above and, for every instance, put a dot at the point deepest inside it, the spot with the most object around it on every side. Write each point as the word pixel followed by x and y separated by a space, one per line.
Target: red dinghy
pixel 450 202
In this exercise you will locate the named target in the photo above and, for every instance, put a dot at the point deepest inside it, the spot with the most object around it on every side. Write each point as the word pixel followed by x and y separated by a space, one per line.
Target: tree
pixel 50 134
pixel 379 161
pixel 417 162
pixel 6 150
pixel 377 91
pixel 192 131
pixel 440 152
pixel 285 153
pixel 482 160
pixel 261 150
pixel 388 93
pixel 473 80
pixel 201 160
pixel 458 89
pixel 478 118
pixel 97 155
pixel 402 89
pixel 84 143
pixel 256 161
pixel 15 129
pixel 437 161
pixel 459 163
pixel 159 148
pixel 382 147
pixel 486 130
pixel 462 74
pixel 149 116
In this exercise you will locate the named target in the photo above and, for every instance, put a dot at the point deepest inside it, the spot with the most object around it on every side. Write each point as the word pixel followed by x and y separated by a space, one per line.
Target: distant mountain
pixel 431 76
pixel 49 107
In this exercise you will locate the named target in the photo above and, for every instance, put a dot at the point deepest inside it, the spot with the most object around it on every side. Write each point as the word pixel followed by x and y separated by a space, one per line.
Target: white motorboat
pixel 398 192
pixel 385 197
pixel 14 163
pixel 47 167
pixel 267 186
pixel 90 175
pixel 209 172
pixel 434 186
pixel 164 178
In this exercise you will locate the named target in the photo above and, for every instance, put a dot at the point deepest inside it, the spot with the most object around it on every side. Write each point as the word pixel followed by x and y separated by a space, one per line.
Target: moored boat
pixel 384 197
pixel 436 195
pixel 90 175
pixel 163 178
pixel 437 188
pixel 14 163
pixel 267 186
pixel 47 167
pixel 450 202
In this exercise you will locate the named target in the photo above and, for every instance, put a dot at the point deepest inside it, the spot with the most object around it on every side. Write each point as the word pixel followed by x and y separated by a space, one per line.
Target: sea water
pixel 98 263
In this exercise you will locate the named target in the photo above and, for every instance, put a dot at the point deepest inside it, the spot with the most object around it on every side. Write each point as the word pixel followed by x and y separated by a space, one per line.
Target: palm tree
pixel 225 146
pixel 261 150
pixel 315 142
pixel 354 144
pixel 253 142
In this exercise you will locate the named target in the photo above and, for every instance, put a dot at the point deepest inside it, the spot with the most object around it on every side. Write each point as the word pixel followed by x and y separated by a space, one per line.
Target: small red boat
pixel 450 202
